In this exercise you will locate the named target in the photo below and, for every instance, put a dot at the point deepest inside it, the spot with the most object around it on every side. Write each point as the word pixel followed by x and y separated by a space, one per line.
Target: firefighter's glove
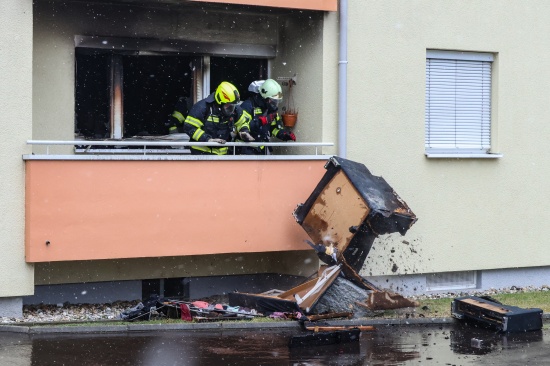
pixel 263 120
pixel 219 141
pixel 287 136
pixel 245 136
pixel 173 130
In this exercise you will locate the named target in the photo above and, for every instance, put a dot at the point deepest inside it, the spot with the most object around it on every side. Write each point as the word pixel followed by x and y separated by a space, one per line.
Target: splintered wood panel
pixel 337 208
pixel 304 288
pixel 484 305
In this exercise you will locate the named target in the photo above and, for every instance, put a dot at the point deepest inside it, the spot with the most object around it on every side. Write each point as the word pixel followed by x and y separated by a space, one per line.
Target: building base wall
pixel 188 288
pixel 11 307
pixel 465 282
pixel 195 288
pixel 85 293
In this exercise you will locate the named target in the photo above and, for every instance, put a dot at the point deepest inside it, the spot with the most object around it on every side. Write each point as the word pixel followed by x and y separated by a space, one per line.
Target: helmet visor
pixel 229 108
pixel 274 102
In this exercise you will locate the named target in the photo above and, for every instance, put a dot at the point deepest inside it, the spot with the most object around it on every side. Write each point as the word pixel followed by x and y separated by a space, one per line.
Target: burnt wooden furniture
pixel 349 208
pixel 301 298
pixel 492 314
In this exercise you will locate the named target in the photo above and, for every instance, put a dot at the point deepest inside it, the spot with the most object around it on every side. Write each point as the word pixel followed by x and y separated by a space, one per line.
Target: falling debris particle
pixel 476 343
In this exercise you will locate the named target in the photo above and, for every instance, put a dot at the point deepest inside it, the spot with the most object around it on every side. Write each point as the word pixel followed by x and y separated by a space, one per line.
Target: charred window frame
pixel 127 88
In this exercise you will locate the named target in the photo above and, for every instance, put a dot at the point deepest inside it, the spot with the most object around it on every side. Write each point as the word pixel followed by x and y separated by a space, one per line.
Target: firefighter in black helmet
pixel 263 106
pixel 177 118
pixel 214 118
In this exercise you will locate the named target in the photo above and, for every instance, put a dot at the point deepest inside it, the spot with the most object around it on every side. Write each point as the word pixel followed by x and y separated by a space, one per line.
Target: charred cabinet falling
pixel 348 209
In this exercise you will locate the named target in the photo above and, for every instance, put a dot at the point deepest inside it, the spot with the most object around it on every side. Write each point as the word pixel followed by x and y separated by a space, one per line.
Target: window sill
pixel 462 156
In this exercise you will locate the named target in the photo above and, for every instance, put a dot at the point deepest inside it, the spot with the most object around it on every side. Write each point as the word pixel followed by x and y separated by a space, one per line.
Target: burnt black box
pixel 349 208
pixel 502 317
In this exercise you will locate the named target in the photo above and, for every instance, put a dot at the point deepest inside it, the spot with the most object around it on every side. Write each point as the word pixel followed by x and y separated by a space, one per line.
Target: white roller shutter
pixel 458 102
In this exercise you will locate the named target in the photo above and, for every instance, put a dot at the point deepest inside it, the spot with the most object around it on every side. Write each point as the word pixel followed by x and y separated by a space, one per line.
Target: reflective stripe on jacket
pixel 206 121
pixel 256 108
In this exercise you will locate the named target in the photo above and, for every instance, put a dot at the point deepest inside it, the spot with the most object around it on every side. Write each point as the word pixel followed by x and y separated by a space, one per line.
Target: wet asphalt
pixel 449 343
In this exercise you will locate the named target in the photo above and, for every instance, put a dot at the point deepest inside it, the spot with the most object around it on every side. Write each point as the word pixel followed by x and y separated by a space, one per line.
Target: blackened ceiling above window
pixel 314 5
pixel 143 45
pixel 325 5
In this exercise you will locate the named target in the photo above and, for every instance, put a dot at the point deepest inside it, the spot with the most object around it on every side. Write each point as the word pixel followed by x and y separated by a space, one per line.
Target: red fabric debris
pixel 185 312
pixel 200 304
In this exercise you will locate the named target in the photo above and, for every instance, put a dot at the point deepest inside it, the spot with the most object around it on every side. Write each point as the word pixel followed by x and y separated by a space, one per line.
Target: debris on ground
pixel 343 216
pixel 491 313
pixel 201 311
pixel 65 312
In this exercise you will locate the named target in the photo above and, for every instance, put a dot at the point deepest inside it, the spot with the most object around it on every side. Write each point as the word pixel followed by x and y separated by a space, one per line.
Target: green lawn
pixel 430 308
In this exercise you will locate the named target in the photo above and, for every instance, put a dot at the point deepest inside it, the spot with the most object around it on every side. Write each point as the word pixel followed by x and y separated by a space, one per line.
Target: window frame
pixel 117 47
pixel 462 65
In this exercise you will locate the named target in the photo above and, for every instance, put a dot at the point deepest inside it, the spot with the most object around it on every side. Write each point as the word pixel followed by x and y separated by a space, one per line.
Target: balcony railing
pixel 167 147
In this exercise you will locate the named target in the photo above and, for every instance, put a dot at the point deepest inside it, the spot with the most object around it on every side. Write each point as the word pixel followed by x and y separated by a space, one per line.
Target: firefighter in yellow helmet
pixel 214 118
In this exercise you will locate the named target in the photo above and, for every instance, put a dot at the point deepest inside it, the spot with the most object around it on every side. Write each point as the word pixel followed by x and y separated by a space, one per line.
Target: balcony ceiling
pixel 182 4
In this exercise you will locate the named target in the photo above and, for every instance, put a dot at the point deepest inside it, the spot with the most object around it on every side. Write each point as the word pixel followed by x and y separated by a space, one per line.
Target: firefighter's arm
pixel 275 124
pixel 193 127
pixel 243 126
pixel 285 135
pixel 279 132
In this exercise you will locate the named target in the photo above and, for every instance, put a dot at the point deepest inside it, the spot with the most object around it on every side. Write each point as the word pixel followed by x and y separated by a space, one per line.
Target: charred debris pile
pixel 348 209
pixel 343 216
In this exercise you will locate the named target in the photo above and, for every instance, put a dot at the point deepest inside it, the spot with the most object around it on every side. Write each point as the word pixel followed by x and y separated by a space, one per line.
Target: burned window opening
pixel 148 86
pixel 151 88
pixel 92 93
pixel 238 71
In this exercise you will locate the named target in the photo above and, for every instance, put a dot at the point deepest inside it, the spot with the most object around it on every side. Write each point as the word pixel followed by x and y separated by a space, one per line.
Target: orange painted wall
pixel 130 209
pixel 325 5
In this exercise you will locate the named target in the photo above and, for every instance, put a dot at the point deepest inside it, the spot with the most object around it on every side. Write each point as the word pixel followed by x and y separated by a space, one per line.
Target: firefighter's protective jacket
pixel 206 121
pixel 257 108
pixel 177 118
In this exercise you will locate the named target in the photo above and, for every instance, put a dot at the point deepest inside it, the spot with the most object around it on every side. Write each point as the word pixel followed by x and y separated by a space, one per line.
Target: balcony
pixel 92 206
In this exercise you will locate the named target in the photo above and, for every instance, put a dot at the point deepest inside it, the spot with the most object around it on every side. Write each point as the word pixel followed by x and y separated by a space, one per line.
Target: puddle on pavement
pixel 454 344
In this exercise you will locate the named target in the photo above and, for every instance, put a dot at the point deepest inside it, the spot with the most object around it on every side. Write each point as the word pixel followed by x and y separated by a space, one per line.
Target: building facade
pixel 445 100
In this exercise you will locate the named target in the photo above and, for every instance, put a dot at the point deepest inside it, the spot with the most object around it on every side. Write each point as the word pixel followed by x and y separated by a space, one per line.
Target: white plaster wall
pixel 16 277
pixel 301 53
pixel 473 214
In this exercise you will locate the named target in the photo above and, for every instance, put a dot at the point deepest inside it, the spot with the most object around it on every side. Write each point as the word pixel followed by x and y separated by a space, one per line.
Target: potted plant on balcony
pixel 290 112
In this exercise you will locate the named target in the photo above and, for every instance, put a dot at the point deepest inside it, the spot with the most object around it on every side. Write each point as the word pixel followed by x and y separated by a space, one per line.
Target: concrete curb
pixel 40 329
pixel 77 329
pixel 14 329
pixel 82 329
